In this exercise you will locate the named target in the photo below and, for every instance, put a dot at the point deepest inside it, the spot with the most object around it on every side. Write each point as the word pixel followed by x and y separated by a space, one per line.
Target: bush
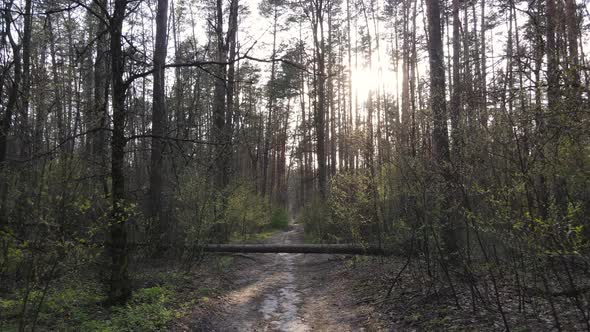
pixel 247 212
pixel 352 209
pixel 315 217
pixel 279 219
pixel 348 215
pixel 141 317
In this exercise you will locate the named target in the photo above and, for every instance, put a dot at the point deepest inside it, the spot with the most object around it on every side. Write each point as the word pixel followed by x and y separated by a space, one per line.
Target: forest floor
pixel 296 292
pixel 316 292
pixel 287 292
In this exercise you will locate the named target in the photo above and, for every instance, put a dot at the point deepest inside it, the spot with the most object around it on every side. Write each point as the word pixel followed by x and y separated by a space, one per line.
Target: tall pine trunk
pixel 158 128
pixel 440 140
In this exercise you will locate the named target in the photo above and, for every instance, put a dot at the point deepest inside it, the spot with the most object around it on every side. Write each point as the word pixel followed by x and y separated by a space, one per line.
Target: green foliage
pixel 351 207
pixel 246 212
pixel 194 207
pixel 78 306
pixel 203 212
pixel 9 307
pixel 152 295
pixel 315 216
pixel 147 311
pixel 14 256
pixel 68 299
pixel 279 219
pixel 261 236
pixel 347 216
pixel 54 225
pixel 67 305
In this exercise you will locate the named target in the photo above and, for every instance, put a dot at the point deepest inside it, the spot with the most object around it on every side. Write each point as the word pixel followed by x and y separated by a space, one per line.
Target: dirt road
pixel 289 292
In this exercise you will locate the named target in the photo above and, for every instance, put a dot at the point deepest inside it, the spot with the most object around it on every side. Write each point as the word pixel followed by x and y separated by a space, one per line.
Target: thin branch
pixel 200 65
pixel 173 139
pixel 106 21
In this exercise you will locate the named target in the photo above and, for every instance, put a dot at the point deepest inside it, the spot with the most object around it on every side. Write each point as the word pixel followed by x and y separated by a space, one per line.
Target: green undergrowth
pixel 262 236
pixel 79 306
pixel 279 219
pixel 310 238
pixel 148 310
pixel 257 237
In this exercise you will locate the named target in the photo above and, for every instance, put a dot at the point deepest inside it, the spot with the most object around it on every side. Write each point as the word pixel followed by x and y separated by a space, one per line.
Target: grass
pixel 258 237
pixel 77 304
pixel 262 236
pixel 310 238
pixel 279 220
pixel 78 308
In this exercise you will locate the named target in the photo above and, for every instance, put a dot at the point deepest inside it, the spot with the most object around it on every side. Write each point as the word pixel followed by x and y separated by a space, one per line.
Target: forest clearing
pixel 294 165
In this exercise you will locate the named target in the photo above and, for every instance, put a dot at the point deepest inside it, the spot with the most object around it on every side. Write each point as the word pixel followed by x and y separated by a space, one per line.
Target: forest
pixel 445 143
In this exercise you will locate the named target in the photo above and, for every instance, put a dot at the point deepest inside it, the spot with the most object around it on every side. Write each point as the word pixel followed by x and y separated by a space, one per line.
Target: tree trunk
pixel 348 125
pixel 11 105
pixel 437 83
pixel 405 109
pixel 484 107
pixel 231 85
pixel 552 99
pixel 573 31
pixel 271 100
pixel 331 107
pixel 440 139
pixel 320 112
pixel 26 88
pixel 457 86
pixel 158 128
pixel 120 284
pixel 101 93
pixel 219 103
pixel 552 57
pixel 57 94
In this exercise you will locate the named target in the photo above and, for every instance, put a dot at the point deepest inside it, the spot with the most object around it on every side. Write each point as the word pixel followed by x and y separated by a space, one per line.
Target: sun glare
pixel 365 81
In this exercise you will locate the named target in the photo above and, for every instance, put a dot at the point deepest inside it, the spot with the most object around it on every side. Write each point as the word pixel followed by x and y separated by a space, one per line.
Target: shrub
pixel 315 217
pixel 351 207
pixel 246 212
pixel 279 219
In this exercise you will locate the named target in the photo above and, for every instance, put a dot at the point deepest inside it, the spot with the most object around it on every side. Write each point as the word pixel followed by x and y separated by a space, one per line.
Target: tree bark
pixel 158 128
pixel 573 32
pixel 271 100
pixel 331 105
pixel 26 88
pixel 440 139
pixel 219 102
pixel 320 112
pixel 231 42
pixel 437 83
pixel 552 99
pixel 349 159
pixel 120 284
pixel 457 86
pixel 11 105
pixel 484 93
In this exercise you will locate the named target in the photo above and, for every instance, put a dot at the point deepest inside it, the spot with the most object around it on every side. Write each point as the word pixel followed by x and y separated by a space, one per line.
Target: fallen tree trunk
pixel 346 249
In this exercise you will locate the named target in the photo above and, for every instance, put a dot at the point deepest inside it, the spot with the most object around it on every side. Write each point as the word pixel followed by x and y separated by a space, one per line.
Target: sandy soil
pixel 290 292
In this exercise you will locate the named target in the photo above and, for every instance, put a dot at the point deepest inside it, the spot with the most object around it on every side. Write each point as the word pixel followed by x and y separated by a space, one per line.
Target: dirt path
pixel 289 292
